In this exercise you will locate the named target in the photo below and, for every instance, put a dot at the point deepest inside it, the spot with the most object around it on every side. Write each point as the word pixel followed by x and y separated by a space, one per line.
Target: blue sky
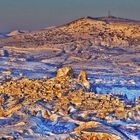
pixel 36 14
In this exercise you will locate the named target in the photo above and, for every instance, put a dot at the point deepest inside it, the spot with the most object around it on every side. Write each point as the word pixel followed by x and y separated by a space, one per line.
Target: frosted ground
pixel 112 69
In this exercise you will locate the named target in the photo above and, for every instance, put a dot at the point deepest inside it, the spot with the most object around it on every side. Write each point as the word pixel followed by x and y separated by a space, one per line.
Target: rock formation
pixel 40 104
pixel 65 71
pixel 82 78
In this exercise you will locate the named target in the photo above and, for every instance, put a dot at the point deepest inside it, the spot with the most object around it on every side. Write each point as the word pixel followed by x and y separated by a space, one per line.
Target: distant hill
pixel 104 31
pixel 16 32
pixel 2 35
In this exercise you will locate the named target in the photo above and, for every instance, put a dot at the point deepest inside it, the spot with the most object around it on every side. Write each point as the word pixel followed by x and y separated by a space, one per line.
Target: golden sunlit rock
pixel 82 78
pixel 65 71
pixel 62 98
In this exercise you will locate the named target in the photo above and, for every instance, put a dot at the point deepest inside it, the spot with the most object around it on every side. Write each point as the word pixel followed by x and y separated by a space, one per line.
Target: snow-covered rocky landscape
pixel 103 102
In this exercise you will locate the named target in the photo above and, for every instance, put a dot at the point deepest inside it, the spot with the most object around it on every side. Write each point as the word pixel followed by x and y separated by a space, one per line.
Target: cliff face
pixel 98 31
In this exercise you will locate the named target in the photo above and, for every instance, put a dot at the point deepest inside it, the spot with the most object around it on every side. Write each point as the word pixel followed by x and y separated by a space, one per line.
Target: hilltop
pixel 105 31
pixel 105 42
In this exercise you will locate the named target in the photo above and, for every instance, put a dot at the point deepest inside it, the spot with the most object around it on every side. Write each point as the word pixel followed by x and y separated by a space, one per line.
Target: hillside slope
pixel 103 31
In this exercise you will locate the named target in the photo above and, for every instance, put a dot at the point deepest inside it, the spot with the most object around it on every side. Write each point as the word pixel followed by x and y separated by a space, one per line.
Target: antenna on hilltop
pixel 109 13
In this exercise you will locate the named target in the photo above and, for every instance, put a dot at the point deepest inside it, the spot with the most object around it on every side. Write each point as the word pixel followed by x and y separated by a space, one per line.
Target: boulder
pixel 82 79
pixel 65 71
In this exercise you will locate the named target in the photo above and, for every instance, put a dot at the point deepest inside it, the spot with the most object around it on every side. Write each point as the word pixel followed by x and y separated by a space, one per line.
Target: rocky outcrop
pixel 65 71
pixel 82 78
pixel 61 99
